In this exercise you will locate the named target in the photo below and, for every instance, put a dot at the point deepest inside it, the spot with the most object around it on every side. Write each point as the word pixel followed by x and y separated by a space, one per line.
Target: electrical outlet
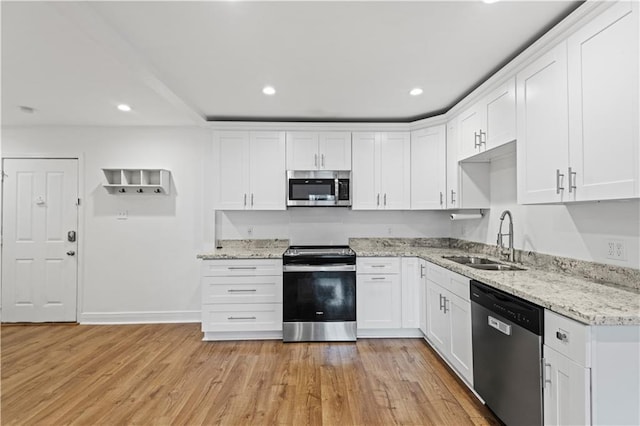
pixel 616 250
pixel 123 215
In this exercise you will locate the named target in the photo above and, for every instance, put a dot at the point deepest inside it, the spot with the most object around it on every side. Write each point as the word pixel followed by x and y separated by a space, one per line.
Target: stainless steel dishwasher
pixel 507 354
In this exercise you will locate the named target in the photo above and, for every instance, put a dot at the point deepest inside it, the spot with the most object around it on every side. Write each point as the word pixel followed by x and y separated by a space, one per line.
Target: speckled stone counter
pixel 247 249
pixel 587 301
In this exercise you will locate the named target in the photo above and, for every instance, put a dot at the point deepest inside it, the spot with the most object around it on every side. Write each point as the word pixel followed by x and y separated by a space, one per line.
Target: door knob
pixel 71 253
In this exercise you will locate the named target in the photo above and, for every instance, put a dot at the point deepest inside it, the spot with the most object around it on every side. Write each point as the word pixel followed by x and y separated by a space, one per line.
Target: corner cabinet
pixel 137 181
pixel 241 298
pixel 449 318
pixel 381 171
pixel 578 125
pixel 428 168
pixel 318 151
pixel 251 170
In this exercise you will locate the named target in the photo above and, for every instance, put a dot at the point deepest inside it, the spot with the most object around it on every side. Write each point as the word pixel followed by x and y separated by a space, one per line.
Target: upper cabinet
pixel 251 170
pixel 578 114
pixel 490 122
pixel 381 171
pixel 428 168
pixel 318 151
pixel 138 181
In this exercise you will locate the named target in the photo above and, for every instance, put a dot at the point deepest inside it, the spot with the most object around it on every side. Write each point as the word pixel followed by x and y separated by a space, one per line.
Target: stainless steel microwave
pixel 318 188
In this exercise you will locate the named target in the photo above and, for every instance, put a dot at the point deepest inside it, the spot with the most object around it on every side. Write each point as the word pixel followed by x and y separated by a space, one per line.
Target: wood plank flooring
pixel 164 374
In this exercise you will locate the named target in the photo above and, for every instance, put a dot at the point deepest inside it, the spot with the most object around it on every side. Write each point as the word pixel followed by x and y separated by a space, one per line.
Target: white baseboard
pixel 139 317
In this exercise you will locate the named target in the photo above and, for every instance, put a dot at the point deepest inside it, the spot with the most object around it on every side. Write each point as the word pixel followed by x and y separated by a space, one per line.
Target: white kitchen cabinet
pixel 449 318
pixel 604 124
pixel 318 151
pixel 413 280
pixel 578 126
pixel 241 298
pixel 489 123
pixel 378 293
pixel 468 184
pixel 590 372
pixel 251 170
pixel 428 168
pixel 381 171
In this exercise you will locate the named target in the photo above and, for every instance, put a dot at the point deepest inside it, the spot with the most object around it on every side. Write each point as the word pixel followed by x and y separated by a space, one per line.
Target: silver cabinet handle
pixel 441 304
pixel 558 178
pixel 377 266
pixel 440 197
pixel 322 160
pixel 252 199
pixel 422 268
pixel 483 140
pixel 315 160
pixel 242 267
pixel 445 305
pixel 232 290
pixel 245 199
pixel 572 180
pixel 378 200
pixel 385 198
pixel 240 318
pixel 545 379
pixel 453 193
pixel 378 278
pixel 476 140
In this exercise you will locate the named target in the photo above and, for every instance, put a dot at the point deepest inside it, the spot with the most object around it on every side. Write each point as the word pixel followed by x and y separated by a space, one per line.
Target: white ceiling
pixel 178 62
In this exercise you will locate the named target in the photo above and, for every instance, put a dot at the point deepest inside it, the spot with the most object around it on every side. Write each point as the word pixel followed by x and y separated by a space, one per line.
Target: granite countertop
pixel 580 297
pixel 247 249
pixel 575 297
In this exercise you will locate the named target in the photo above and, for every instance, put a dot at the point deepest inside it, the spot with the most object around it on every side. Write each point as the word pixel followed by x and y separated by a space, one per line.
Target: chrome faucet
pixel 510 234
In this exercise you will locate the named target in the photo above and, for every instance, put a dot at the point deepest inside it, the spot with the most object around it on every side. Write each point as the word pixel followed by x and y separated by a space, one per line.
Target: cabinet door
pixel 453 168
pixel 461 354
pixel 302 151
pixel 232 149
pixel 411 283
pixel 335 150
pixel 500 112
pixel 428 168
pixel 603 106
pixel 471 124
pixel 267 173
pixel 366 193
pixel 395 171
pixel 437 320
pixel 379 302
pixel 422 295
pixel 542 154
pixel 566 390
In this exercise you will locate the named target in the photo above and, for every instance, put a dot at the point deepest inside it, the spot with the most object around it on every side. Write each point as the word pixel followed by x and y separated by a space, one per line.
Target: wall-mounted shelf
pixel 137 181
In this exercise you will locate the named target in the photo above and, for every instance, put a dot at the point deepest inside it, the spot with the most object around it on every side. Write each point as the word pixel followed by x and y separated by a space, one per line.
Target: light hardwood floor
pixel 164 374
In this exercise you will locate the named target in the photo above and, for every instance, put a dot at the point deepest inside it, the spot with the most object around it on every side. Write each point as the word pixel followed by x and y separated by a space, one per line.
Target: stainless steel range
pixel 319 294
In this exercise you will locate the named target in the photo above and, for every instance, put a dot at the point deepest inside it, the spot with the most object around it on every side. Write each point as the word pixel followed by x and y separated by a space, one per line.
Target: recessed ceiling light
pixel 124 107
pixel 416 91
pixel 269 90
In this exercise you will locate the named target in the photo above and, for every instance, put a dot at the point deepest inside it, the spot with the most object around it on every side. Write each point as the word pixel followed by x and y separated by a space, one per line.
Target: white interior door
pixel 39 263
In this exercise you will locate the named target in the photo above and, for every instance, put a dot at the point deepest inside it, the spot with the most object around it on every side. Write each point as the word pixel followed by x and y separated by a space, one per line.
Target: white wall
pixel 145 267
pixel 332 225
pixel 577 231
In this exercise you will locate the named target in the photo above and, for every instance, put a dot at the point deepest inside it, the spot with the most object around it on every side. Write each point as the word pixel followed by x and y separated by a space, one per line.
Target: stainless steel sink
pixel 470 260
pixel 497 267
pixel 482 263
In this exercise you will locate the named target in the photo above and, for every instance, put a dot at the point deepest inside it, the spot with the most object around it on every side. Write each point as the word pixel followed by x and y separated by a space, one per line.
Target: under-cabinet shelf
pixel 137 181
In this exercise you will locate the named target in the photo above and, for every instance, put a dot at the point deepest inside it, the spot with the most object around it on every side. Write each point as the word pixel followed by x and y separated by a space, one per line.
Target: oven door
pixel 319 293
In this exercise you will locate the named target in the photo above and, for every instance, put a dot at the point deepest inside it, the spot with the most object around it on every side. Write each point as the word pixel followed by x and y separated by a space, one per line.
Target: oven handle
pixel 319 268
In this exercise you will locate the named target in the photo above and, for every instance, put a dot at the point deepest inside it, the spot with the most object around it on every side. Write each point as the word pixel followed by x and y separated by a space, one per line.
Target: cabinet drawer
pixel 570 338
pixel 241 267
pixel 378 265
pixel 239 289
pixel 242 317
pixel 437 274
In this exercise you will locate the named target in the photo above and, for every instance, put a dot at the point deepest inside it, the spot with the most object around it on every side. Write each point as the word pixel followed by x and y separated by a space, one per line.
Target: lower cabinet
pixel 449 318
pixel 241 299
pixel 378 293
